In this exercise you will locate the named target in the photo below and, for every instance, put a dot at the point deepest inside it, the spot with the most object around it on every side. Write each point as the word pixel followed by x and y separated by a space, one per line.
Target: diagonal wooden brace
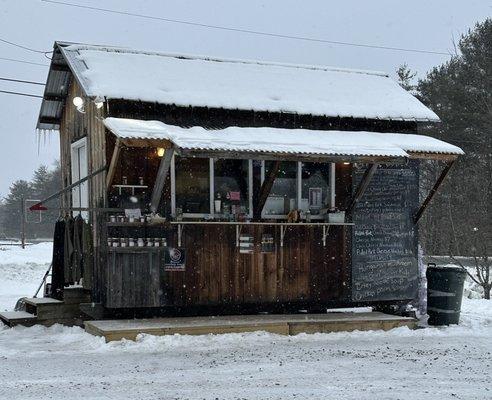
pixel 265 189
pixel 433 191
pixel 161 179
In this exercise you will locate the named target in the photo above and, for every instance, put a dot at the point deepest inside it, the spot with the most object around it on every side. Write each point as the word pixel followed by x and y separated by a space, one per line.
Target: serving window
pixel 192 182
pixel 306 186
pixel 209 188
pixel 283 196
pixel 223 188
pixel 231 187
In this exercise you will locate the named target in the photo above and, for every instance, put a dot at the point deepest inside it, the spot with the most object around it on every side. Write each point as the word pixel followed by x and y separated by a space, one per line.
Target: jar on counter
pixel 112 218
pixel 150 242
pixel 123 242
pixel 157 242
pixel 131 242
pixel 140 242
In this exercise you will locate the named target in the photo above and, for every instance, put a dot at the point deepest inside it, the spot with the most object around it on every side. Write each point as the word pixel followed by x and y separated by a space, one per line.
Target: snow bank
pixel 34 254
pixel 21 271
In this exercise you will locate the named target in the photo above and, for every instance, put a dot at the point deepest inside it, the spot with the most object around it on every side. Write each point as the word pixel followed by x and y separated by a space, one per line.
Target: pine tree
pixel 406 77
pixel 460 92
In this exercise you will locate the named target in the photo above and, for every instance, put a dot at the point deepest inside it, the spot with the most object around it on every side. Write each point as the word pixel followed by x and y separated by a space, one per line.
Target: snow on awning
pixel 267 141
pixel 198 81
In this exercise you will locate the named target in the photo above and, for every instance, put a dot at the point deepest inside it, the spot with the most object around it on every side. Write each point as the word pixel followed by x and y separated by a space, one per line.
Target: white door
pixel 80 193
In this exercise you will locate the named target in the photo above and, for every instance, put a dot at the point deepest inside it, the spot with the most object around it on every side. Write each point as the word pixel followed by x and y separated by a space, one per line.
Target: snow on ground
pixel 434 363
pixel 21 271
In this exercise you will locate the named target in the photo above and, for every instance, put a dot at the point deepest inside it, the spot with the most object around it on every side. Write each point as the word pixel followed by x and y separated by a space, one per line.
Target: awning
pixel 273 143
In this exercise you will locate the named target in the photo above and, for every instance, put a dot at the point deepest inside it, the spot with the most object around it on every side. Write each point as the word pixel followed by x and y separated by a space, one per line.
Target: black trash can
pixel 444 294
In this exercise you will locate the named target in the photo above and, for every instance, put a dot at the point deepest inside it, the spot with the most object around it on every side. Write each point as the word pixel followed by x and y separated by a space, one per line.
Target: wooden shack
pixel 215 186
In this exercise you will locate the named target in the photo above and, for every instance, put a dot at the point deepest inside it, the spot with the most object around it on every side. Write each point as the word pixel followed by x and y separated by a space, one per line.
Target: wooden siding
pixel 74 126
pixel 302 271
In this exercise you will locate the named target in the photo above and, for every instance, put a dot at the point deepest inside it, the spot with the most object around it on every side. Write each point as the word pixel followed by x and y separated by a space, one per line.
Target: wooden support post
pixel 265 189
pixel 364 183
pixel 161 179
pixel 112 165
pixel 433 191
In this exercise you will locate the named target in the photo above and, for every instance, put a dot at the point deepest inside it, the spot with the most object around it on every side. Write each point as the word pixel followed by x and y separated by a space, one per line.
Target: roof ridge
pixel 127 50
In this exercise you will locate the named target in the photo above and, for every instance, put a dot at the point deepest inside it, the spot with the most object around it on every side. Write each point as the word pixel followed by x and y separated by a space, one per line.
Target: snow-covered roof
pixel 118 73
pixel 278 140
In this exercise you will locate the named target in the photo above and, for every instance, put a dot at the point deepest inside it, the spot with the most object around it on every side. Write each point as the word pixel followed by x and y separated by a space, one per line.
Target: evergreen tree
pixel 406 77
pixel 460 92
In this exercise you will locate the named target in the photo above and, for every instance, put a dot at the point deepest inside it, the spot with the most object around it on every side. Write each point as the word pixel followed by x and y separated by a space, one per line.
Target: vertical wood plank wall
pixel 300 271
pixel 74 126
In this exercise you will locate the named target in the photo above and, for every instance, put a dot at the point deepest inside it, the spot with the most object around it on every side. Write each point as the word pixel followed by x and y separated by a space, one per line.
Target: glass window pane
pixel 231 186
pixel 315 186
pixel 192 185
pixel 282 198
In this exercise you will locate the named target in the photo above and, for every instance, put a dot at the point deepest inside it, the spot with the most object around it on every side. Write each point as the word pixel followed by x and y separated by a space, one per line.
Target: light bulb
pixel 160 151
pixel 99 102
pixel 78 102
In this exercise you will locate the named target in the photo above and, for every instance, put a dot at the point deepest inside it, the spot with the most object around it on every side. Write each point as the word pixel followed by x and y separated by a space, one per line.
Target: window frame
pixel 332 176
pixel 211 170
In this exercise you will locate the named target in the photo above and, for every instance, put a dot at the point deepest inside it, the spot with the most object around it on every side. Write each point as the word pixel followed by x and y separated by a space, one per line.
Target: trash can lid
pixel 447 267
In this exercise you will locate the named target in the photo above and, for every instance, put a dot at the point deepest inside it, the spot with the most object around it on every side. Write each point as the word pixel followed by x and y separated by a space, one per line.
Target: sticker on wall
pixel 267 243
pixel 174 259
pixel 246 244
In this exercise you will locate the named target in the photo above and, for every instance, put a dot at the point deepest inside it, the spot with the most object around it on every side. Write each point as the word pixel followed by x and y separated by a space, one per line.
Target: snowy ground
pixel 60 362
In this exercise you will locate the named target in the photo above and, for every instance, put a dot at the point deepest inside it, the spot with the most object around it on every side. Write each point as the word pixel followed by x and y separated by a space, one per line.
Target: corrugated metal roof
pixel 277 140
pixel 55 93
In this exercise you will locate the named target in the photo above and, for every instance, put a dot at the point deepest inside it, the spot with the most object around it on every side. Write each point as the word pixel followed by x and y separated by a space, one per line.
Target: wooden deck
pixel 291 324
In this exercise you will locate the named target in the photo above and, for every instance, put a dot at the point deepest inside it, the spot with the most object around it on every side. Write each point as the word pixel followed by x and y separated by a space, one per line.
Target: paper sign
pixel 235 196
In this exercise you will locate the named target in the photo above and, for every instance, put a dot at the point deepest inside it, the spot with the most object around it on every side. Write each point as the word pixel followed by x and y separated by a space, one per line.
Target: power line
pixel 248 31
pixel 21 81
pixel 21 94
pixel 23 61
pixel 22 47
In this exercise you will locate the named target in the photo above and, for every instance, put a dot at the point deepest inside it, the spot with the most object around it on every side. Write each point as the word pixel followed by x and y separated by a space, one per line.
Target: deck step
pixel 280 324
pixel 76 295
pixel 13 318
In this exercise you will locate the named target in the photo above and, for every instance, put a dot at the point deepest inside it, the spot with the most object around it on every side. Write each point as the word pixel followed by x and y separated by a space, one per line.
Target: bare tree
pixel 481 260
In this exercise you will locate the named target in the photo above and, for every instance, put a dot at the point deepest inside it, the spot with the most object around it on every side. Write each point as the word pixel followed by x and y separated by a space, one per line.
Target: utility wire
pixel 21 81
pixel 23 61
pixel 21 94
pixel 22 47
pixel 248 31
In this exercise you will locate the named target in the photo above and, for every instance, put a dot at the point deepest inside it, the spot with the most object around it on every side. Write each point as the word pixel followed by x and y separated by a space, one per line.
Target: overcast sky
pixel 428 25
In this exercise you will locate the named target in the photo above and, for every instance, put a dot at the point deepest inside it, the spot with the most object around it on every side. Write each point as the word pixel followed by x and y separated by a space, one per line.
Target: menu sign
pixel 384 246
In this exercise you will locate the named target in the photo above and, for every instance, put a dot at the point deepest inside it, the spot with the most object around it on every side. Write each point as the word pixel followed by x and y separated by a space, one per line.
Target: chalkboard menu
pixel 384 245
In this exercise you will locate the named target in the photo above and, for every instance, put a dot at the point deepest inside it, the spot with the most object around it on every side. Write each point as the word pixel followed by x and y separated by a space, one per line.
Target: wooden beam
pixel 364 183
pixel 69 187
pixel 433 191
pixel 433 156
pixel 161 179
pixel 265 189
pixel 251 155
pixel 112 165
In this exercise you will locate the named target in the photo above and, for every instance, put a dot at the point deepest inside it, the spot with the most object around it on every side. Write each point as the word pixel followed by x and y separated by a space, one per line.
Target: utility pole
pixel 23 223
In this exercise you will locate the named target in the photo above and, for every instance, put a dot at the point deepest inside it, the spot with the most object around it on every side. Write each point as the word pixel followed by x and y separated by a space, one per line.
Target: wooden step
pixel 13 318
pixel 76 295
pixel 46 308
